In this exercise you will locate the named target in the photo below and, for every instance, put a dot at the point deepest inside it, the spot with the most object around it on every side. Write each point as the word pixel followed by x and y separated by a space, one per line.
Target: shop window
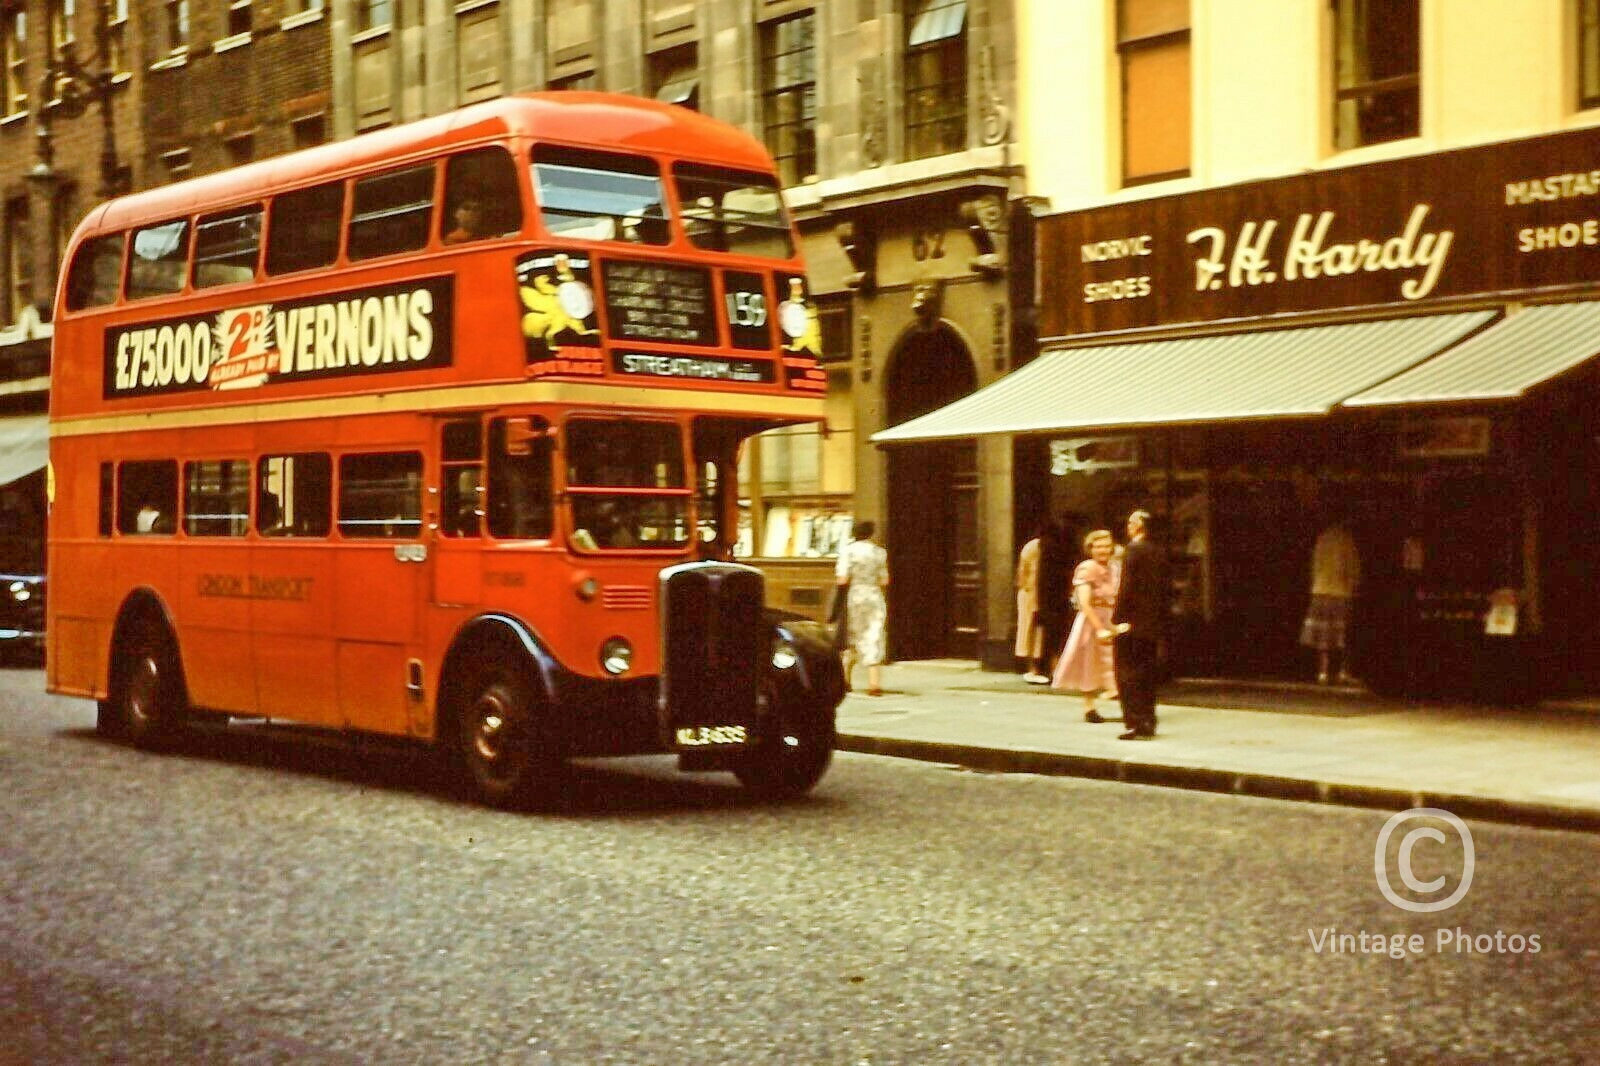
pixel 481 196
pixel 392 213
pixel 1588 53
pixel 216 498
pixel 159 261
pixel 304 229
pixel 147 498
pixel 293 495
pixel 675 76
pixel 14 57
pixel 1153 52
pixel 1377 59
pixel 936 78
pixel 380 495
pixel 226 247
pixel 789 95
pixel 478 53
pixel 92 280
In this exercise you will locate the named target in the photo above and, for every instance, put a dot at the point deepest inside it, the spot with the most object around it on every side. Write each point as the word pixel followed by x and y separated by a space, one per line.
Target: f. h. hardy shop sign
pixel 1510 218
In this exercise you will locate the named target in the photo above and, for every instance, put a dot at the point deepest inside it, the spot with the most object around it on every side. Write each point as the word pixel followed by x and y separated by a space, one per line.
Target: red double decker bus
pixel 434 433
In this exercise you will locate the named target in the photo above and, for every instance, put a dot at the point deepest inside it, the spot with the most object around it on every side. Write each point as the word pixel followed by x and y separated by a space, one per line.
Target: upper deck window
pixel 160 260
pixel 732 211
pixel 94 274
pixel 393 213
pixel 226 247
pixel 599 196
pixel 482 199
pixel 305 229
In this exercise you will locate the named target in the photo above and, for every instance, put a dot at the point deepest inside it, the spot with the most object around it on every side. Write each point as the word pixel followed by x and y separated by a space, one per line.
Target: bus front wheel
pixel 147 701
pixel 498 738
pixel 792 759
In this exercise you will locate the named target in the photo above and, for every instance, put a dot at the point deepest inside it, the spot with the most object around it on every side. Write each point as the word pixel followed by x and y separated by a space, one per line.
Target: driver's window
pixel 520 506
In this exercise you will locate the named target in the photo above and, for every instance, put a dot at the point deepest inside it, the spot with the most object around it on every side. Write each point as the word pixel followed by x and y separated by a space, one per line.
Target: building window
pixel 1376 63
pixel 1588 53
pixel 240 20
pixel 675 76
pixel 374 84
pixel 63 13
pixel 584 82
pixel 14 45
pixel 177 25
pixel 241 149
pixel 117 36
pixel 178 163
pixel 374 15
pixel 789 95
pixel 936 78
pixel 19 260
pixel 1153 51
pixel 478 53
pixel 309 130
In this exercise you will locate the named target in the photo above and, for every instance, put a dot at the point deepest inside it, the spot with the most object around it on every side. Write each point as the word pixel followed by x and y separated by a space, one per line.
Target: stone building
pixel 892 123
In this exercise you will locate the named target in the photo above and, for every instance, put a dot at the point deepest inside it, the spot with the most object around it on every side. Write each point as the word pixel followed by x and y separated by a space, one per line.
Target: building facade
pixel 892 123
pixel 1314 264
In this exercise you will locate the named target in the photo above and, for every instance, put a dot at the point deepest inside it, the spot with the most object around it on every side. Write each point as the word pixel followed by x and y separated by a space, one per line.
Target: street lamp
pixel 66 91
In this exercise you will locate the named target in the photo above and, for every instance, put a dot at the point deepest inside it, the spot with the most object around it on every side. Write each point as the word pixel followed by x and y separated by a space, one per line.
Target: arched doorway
pixel 935 601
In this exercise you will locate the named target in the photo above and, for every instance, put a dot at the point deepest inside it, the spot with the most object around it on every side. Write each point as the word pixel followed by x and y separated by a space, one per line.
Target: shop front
pixel 1404 350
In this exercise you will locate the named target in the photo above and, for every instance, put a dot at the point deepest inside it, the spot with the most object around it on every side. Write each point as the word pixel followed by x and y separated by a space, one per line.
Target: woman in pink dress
pixel 1085 665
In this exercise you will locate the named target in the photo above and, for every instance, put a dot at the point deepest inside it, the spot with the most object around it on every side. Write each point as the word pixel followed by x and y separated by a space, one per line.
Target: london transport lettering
pixel 255 587
pixel 359 332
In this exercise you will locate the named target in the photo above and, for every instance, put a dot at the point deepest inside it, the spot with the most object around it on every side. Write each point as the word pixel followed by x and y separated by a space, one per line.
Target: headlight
pixel 616 656
pixel 784 655
pixel 21 592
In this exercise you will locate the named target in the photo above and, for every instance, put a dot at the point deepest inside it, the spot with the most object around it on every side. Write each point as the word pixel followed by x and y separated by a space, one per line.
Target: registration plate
pixel 708 736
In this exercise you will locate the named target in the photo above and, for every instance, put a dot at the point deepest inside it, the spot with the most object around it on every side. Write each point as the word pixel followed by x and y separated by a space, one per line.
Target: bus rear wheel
pixel 499 739
pixel 792 759
pixel 147 703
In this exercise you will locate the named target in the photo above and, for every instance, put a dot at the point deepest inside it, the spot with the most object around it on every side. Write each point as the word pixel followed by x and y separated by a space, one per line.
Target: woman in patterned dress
pixel 1086 664
pixel 864 570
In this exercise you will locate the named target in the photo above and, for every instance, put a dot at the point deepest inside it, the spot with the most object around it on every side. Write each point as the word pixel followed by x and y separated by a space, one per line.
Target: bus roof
pixel 589 119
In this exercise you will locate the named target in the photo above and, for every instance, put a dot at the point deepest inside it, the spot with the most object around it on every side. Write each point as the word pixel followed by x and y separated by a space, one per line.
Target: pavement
pixel 1534 765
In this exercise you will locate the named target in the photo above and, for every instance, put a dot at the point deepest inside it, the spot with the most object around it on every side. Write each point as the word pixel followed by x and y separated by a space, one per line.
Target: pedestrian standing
pixel 863 571
pixel 1335 573
pixel 1137 623
pixel 1086 663
pixel 1030 638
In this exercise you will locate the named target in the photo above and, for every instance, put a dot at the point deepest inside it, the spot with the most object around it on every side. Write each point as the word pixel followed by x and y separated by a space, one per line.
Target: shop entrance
pixel 936 597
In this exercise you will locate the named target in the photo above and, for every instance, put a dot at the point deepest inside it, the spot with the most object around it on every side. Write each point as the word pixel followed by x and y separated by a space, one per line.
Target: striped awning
pixel 1265 374
pixel 1503 362
pixel 24 445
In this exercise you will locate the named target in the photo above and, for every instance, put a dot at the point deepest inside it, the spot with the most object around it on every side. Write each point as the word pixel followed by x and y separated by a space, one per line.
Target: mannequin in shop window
pixel 1335 576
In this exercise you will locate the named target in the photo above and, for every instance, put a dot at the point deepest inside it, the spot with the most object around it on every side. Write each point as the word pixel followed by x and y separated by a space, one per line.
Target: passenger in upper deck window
pixel 470 222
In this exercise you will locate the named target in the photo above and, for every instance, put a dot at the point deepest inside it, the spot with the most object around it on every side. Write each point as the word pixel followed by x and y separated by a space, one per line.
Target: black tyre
pixel 500 738
pixel 793 757
pixel 147 704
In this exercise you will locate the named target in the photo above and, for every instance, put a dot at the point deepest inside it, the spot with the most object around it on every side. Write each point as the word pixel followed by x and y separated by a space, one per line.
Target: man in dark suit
pixel 1137 621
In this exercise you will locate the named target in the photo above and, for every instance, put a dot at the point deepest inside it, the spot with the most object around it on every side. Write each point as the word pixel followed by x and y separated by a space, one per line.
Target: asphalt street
pixel 256 898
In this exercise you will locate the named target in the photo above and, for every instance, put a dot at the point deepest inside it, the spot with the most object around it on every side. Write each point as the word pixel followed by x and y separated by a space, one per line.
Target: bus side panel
pixel 377 587
pixel 291 608
pixel 213 602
